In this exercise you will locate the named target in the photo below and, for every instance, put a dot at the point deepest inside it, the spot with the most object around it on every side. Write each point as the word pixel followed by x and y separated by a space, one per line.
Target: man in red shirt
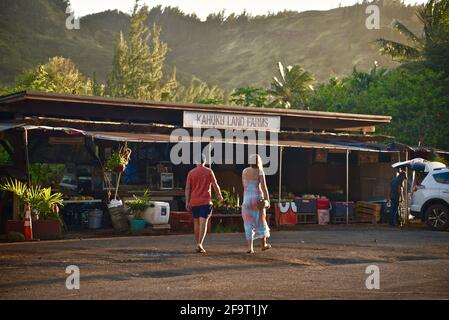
pixel 199 199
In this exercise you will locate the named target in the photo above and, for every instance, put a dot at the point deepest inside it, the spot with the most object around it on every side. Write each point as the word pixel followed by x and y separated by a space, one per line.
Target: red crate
pixel 181 221
pixel 322 203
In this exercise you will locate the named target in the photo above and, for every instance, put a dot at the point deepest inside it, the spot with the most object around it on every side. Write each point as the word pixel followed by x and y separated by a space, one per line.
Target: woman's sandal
pixel 200 250
pixel 268 246
pixel 250 251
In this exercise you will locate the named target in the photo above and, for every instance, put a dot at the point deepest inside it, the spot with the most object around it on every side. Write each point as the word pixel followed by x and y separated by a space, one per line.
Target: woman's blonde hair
pixel 255 161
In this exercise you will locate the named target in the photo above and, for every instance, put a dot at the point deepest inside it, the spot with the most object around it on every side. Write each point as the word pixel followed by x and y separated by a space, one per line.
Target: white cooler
pixel 159 214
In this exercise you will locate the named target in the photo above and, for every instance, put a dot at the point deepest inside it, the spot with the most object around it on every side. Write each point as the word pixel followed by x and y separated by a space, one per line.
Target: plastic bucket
pixel 119 219
pixel 137 226
pixel 95 218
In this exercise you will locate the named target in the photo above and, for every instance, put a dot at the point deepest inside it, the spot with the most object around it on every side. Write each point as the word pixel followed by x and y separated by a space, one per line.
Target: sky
pixel 202 8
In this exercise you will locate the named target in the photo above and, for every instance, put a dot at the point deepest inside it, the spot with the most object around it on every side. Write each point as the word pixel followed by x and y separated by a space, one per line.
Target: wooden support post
pixel 27 156
pixel 347 186
pixel 405 195
pixel 281 149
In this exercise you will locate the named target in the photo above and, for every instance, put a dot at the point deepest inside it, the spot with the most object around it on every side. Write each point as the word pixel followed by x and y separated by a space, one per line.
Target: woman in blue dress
pixel 255 202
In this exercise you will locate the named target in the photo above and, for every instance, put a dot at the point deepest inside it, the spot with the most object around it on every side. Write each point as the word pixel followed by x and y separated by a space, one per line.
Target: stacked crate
pixel 339 210
pixel 368 212
pixel 323 210
pixel 306 210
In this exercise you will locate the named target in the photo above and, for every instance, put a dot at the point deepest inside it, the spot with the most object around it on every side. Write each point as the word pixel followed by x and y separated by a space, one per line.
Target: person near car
pixel 199 199
pixel 395 196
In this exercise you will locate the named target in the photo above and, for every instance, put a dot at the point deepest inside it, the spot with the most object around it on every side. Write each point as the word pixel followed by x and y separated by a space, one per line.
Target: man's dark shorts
pixel 201 211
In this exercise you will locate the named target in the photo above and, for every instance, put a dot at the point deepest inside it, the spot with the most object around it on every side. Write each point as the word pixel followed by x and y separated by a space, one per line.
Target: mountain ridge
pixel 232 52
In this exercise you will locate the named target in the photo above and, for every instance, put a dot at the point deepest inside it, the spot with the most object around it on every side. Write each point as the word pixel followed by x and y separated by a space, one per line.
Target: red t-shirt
pixel 200 180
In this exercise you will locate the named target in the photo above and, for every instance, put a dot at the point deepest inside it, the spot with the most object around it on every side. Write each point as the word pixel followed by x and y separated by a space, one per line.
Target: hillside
pixel 237 52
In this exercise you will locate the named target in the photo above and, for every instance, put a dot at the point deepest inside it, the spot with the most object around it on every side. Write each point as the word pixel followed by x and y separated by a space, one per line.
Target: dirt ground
pixel 326 262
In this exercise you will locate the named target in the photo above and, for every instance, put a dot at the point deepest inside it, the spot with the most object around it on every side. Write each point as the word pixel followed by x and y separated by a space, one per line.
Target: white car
pixel 430 192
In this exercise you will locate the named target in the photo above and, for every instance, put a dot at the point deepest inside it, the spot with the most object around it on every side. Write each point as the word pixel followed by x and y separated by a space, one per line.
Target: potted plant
pixel 137 208
pixel 45 209
pixel 229 205
pixel 119 160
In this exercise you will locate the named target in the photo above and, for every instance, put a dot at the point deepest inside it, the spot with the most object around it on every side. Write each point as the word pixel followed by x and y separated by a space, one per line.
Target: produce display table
pixel 81 201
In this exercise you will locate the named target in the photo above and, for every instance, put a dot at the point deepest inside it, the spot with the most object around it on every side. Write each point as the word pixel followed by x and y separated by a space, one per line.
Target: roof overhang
pixel 70 106
pixel 9 125
pixel 169 138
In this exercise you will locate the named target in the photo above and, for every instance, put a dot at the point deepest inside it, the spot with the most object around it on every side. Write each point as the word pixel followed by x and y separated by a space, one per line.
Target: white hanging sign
pixel 231 121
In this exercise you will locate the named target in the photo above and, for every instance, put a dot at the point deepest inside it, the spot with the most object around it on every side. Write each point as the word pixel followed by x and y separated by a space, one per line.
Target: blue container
pixel 305 205
pixel 339 209
pixel 137 227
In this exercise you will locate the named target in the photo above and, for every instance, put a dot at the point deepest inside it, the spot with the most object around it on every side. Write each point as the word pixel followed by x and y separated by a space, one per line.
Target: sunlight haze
pixel 202 8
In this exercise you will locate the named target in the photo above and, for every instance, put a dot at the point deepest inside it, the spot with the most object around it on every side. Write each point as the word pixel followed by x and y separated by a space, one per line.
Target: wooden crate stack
pixel 368 212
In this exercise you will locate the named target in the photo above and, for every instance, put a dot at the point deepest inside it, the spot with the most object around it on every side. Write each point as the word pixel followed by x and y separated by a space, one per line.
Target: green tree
pixel 199 92
pixel 250 96
pixel 336 95
pixel 432 45
pixel 292 88
pixel 360 80
pixel 57 75
pixel 4 156
pixel 418 102
pixel 416 98
pixel 139 62
pixel 98 89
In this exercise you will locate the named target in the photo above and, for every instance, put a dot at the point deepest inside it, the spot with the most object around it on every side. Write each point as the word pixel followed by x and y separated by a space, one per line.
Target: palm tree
pixel 291 89
pixel 434 16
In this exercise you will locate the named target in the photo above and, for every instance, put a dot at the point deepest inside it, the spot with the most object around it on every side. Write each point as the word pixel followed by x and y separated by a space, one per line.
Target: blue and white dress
pixel 252 193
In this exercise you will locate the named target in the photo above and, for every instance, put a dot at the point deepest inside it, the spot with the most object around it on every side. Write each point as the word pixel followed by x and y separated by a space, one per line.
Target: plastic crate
pixel 341 220
pixel 305 205
pixel 181 221
pixel 307 218
pixel 339 209
pixel 323 203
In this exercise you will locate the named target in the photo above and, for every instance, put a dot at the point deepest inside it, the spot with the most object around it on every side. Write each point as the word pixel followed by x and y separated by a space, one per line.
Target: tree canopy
pixel 250 96
pixel 431 45
pixel 59 74
pixel 416 98
pixel 291 88
pixel 138 67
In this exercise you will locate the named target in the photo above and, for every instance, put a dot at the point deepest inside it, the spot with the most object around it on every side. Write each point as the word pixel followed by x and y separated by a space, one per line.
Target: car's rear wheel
pixel 437 217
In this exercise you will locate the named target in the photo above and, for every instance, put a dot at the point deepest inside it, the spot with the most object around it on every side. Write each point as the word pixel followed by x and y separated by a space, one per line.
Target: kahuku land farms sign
pixel 231 121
